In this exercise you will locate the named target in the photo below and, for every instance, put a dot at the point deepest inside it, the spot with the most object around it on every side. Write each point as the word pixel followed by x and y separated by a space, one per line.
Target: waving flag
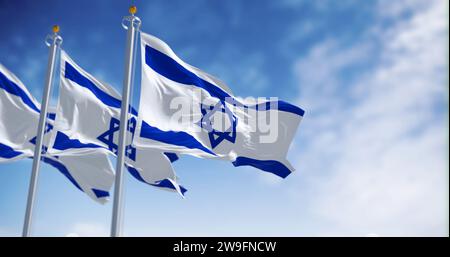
pixel 19 114
pixel 17 106
pixel 91 173
pixel 87 117
pixel 185 110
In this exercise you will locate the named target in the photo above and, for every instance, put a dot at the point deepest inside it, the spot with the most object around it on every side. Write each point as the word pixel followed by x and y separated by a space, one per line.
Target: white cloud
pixel 5 233
pixel 88 230
pixel 375 154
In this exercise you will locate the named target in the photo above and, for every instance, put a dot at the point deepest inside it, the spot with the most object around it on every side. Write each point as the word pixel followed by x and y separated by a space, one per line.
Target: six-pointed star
pixel 207 121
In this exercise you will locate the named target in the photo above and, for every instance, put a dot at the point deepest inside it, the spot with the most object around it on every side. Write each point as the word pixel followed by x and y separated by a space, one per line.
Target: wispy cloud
pixel 374 143
pixel 88 230
pixel 5 232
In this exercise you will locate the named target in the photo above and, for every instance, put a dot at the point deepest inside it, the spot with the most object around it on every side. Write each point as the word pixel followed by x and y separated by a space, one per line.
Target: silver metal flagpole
pixel 53 41
pixel 132 24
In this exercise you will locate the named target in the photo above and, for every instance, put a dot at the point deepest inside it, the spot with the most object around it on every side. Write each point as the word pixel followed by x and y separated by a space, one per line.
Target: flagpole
pixel 133 26
pixel 53 41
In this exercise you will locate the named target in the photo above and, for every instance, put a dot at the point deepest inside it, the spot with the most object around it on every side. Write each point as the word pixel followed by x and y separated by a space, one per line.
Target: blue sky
pixel 371 152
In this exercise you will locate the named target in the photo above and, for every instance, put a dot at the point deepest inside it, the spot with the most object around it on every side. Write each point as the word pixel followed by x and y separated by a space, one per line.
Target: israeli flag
pixel 92 173
pixel 87 117
pixel 17 108
pixel 185 110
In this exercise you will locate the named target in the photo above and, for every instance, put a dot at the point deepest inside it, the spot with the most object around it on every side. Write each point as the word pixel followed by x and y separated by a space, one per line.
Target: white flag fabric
pixel 19 114
pixel 185 110
pixel 88 114
pixel 90 172
pixel 17 107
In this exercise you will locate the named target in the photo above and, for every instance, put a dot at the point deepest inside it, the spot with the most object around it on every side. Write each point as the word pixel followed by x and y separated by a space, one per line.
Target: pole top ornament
pixel 55 29
pixel 132 9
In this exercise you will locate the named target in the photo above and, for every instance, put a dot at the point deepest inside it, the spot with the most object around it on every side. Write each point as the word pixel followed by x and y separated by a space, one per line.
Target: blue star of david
pixel 108 137
pixel 48 127
pixel 206 122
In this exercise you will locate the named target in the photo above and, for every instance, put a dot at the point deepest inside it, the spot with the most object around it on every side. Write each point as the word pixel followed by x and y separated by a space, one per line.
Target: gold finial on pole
pixel 55 29
pixel 132 9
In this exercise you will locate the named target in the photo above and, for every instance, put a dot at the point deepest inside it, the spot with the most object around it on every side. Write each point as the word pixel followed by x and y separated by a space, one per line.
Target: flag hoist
pixel 132 24
pixel 54 42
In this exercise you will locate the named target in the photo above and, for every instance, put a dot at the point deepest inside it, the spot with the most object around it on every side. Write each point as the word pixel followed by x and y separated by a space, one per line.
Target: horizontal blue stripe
pixel 163 183
pixel 271 166
pixel 74 75
pixel 63 142
pixel 59 166
pixel 63 169
pixel 12 88
pixel 172 156
pixel 171 69
pixel 135 173
pixel 100 193
pixel 171 137
pixel 287 107
pixel 7 152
